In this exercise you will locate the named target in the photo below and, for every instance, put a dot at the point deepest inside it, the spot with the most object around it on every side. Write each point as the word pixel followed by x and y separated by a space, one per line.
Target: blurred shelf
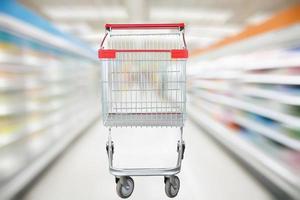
pixel 30 31
pixel 268 59
pixel 49 84
pixel 22 83
pixel 246 94
pixel 17 62
pixel 266 165
pixel 280 96
pixel 285 95
pixel 236 103
pixel 271 79
pixel 244 77
pixel 28 107
pixel 212 85
pixel 267 131
pixel 7 85
pixel 73 127
pixel 282 38
pixel 219 75
pixel 273 61
pixel 43 123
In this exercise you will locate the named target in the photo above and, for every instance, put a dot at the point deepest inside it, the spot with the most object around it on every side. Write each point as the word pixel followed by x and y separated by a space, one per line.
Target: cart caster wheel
pixel 172 188
pixel 125 186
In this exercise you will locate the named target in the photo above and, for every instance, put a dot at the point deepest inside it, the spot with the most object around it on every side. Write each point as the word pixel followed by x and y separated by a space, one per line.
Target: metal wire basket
pixel 143 76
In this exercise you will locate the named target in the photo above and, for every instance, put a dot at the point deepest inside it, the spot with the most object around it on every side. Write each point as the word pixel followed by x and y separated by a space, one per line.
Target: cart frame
pixel 119 172
pixel 124 182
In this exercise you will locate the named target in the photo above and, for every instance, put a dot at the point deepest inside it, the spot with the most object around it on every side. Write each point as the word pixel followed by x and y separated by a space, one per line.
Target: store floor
pixel 207 173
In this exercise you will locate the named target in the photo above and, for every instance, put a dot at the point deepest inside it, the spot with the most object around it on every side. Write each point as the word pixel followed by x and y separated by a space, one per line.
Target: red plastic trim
pixel 144 26
pixel 111 53
pixel 106 53
pixel 182 53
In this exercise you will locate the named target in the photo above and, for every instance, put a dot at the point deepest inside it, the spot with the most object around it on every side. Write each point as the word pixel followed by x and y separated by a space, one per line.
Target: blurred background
pixel 243 127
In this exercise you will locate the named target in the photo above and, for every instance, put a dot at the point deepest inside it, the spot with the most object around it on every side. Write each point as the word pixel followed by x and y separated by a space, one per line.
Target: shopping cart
pixel 143 84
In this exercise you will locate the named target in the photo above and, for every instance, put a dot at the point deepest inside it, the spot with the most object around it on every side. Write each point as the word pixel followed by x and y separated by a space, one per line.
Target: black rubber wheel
pixel 125 191
pixel 172 190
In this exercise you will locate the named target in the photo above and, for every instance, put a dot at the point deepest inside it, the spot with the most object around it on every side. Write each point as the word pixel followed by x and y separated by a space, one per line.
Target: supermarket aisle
pixel 207 173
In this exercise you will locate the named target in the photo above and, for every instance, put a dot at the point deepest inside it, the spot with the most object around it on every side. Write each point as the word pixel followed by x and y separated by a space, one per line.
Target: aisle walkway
pixel 207 173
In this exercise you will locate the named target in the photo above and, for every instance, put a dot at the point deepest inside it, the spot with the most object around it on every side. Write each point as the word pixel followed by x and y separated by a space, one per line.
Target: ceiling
pixel 208 21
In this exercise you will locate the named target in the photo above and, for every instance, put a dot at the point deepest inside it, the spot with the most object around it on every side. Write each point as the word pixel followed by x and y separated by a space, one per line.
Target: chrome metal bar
pixel 118 172
pixel 145 171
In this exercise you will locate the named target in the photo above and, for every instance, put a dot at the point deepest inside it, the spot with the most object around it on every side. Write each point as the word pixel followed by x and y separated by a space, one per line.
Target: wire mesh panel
pixel 143 86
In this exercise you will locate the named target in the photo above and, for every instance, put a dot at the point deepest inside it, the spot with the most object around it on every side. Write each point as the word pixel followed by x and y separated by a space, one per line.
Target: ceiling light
pixel 75 28
pixel 215 31
pixel 92 37
pixel 85 12
pixel 195 39
pixel 258 18
pixel 201 42
pixel 184 14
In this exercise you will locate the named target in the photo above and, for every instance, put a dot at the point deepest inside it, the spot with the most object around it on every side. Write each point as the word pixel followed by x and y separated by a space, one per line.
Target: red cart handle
pixel 144 26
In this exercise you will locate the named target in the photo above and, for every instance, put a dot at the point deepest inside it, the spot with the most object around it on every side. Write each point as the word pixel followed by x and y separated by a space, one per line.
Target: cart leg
pixel 181 144
pixel 110 146
pixel 182 148
pixel 109 135
pixel 109 143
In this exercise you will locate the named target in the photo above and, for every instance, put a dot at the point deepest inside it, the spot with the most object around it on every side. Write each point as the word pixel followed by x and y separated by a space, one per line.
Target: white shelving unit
pixel 282 97
pixel 272 79
pixel 49 93
pixel 250 107
pixel 268 166
pixel 247 96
